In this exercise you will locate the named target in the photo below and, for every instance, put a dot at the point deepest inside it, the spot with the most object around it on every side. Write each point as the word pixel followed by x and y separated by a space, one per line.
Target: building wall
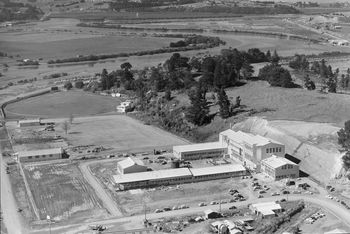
pixel 40 158
pixel 286 171
pixel 28 124
pixel 179 180
pixel 200 154
pixel 132 169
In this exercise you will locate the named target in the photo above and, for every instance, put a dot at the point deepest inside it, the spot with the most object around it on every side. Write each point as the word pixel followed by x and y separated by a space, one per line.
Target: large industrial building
pixel 199 151
pixel 40 155
pixel 279 168
pixel 131 165
pixel 176 176
pixel 248 148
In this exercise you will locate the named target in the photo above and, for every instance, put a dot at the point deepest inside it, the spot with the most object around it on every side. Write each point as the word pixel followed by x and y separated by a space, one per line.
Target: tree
pixel 224 104
pixel 198 112
pixel 346 160
pixel 275 58
pixel 332 85
pixel 68 85
pixel 276 76
pixel 65 126
pixel 126 66
pixel 167 94
pixel 71 118
pixel 268 56
pixel 247 70
pixel 104 78
pixel 79 84
pixel 344 136
pixel 309 84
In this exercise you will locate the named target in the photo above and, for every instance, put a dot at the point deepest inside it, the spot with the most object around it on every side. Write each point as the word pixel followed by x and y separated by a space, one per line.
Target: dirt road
pixel 12 218
pixel 136 221
pixel 106 199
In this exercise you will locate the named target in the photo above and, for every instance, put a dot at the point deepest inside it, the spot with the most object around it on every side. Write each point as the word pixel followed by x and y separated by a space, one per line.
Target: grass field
pixel 294 104
pixel 81 46
pixel 62 104
pixel 52 184
pixel 120 133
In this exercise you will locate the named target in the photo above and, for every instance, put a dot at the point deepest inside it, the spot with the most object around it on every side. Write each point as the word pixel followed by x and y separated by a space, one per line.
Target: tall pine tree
pixel 224 104
pixel 198 112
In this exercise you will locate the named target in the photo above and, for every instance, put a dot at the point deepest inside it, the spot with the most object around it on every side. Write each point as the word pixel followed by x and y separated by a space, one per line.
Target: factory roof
pixel 29 121
pixel 217 169
pixel 40 152
pixel 276 162
pixel 152 175
pixel 128 162
pixel 249 138
pixel 265 206
pixel 199 147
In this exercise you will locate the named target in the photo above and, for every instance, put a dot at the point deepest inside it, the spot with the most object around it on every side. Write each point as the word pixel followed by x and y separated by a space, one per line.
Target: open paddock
pixel 52 184
pixel 121 133
pixel 62 104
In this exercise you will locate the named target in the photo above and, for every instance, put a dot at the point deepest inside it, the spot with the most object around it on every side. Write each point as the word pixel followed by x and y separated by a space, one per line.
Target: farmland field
pixel 62 104
pixel 82 46
pixel 52 184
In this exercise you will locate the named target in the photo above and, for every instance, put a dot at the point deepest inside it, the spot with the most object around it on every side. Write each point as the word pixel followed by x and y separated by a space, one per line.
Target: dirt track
pixel 107 201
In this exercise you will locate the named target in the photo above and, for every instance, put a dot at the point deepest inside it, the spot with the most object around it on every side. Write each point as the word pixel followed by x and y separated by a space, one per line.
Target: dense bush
pixel 276 76
pixel 68 85
pixel 79 84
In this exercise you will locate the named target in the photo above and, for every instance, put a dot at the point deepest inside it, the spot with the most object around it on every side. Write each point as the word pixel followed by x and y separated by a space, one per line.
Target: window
pixel 30 157
pixel 279 149
pixel 37 156
pixel 44 156
pixel 267 150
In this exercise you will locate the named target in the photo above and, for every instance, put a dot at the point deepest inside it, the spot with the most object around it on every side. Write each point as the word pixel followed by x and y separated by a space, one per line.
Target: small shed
pixel 29 122
pixel 131 165
pixel 210 214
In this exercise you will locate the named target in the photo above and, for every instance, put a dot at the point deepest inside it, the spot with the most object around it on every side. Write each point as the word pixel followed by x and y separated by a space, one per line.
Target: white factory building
pixel 279 168
pixel 40 155
pixel 176 176
pixel 199 151
pixel 131 165
pixel 248 148
pixel 266 209
pixel 28 122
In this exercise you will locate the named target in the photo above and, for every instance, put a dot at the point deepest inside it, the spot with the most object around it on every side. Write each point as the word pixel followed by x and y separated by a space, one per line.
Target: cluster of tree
pixel 118 26
pixel 29 63
pixel 306 4
pixel 276 9
pixel 212 42
pixel 344 141
pixel 328 78
pixel 299 62
pixel 14 12
pixel 268 34
pixel 68 85
pixel 274 224
pixel 275 74
pixel 198 39
pixel 55 75
pixel 144 4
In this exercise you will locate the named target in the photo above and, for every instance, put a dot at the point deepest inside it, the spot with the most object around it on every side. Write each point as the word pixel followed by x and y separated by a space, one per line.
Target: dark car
pixel 233 208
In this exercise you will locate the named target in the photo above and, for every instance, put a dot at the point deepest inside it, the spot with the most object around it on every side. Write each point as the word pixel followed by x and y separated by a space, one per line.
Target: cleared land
pixel 51 185
pixel 121 133
pixel 62 104
pixel 294 104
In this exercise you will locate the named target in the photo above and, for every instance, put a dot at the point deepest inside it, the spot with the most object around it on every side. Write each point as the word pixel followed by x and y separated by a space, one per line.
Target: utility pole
pixel 48 218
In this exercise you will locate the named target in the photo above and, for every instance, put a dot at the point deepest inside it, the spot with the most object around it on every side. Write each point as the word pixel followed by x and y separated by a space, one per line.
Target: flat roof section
pixel 217 170
pixel 199 147
pixel 276 162
pixel 29 121
pixel 249 138
pixel 40 152
pixel 152 175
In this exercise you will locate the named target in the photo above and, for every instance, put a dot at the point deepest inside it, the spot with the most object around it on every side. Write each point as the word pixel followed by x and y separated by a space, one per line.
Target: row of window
pixel 42 156
pixel 203 153
pixel 274 150
pixel 285 176
pixel 287 167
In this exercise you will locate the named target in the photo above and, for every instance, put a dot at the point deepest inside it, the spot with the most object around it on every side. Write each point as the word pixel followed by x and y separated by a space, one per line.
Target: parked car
pixel 275 194
pixel 158 211
pixel 167 209
pixel 202 204
pixel 232 208
pixel 260 196
pixel 285 192
pixel 213 203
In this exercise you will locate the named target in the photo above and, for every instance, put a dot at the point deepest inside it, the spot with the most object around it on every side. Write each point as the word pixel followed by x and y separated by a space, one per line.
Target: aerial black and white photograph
pixel 175 116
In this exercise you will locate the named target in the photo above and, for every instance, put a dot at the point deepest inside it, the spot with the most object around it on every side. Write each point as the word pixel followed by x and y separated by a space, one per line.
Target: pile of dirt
pixel 315 144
